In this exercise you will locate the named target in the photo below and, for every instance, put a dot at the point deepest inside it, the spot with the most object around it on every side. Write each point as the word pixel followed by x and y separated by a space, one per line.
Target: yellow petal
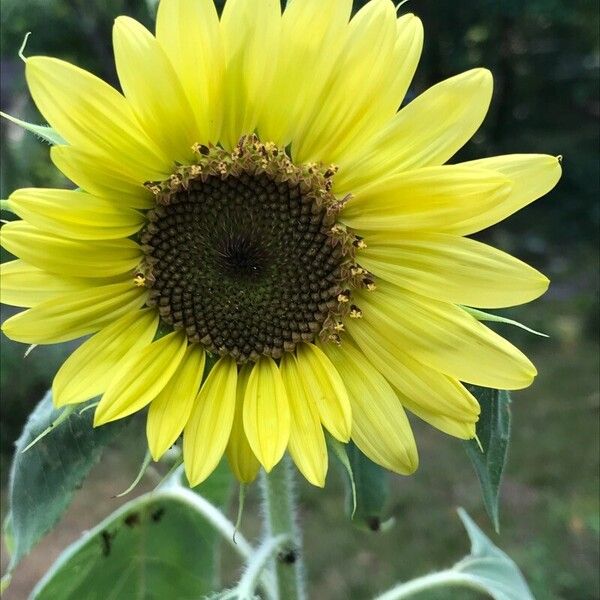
pixel 452 269
pixel 463 429
pixel 102 177
pixel 73 315
pixel 91 115
pixel 429 199
pixel 380 427
pixel 251 30
pixel 425 387
pixel 146 75
pixel 266 413
pixel 304 64
pixel 89 370
pixel 401 67
pixel 351 96
pixel 75 215
pixel 446 338
pixel 307 441
pixel 188 31
pixel 208 429
pixel 241 459
pixel 426 132
pixel 26 285
pixel 170 410
pixel 141 377
pixel 531 175
pixel 72 258
pixel 327 390
pixel 407 52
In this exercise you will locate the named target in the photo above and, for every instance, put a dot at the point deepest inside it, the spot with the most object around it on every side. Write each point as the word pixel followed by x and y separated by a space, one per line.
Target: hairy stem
pixel 279 506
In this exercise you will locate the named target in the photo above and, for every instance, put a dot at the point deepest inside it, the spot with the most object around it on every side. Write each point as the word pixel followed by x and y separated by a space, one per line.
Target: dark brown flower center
pixel 244 253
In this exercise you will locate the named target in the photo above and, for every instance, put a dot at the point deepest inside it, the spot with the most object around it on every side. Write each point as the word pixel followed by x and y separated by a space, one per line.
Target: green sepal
pixel 367 489
pixel 241 505
pixel 481 315
pixel 6 206
pixel 488 451
pixel 372 490
pixel 44 132
pixel 339 451
pixel 143 468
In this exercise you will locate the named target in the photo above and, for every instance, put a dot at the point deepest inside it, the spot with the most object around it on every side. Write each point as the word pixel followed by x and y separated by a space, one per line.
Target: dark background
pixel 544 56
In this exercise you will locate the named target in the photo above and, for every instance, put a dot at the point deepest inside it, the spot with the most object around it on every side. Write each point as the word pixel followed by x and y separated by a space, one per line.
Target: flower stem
pixel 279 505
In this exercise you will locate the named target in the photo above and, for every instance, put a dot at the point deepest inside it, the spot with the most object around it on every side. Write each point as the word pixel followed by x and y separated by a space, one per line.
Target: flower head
pixel 254 196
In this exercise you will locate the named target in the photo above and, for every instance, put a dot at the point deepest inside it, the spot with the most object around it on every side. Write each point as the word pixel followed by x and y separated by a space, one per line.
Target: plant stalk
pixel 279 506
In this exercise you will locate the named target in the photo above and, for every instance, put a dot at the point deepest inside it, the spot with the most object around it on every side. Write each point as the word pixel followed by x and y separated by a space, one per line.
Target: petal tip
pixel 156 451
pixel 479 77
pixel 412 466
pixel 557 166
pixel 482 75
pixel 58 399
pixel 195 474
pixel 100 418
pixel 344 435
pixel 193 481
pixel 317 481
pixel 122 20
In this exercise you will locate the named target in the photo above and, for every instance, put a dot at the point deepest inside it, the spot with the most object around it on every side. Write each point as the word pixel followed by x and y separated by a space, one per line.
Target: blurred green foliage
pixel 545 56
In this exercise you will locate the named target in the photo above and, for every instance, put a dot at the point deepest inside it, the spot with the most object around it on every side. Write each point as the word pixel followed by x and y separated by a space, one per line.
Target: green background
pixel 544 56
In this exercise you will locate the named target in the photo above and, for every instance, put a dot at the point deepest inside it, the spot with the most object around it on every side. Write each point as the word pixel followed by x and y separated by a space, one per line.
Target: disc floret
pixel 243 250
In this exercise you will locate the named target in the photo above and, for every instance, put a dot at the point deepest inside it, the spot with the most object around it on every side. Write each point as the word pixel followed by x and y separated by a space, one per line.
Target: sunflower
pixel 254 201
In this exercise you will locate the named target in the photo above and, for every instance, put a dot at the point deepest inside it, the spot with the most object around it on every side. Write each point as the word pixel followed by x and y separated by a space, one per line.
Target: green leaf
pixel 491 569
pixel 368 485
pixel 486 569
pixel 216 489
pixel 44 478
pixel 372 488
pixel 156 546
pixel 493 433
pixel 45 133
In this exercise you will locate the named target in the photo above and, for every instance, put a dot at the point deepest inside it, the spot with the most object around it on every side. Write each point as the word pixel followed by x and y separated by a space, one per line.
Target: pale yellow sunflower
pixel 254 198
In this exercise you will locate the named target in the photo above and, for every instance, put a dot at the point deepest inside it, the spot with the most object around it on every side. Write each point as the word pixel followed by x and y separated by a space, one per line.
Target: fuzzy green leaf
pixel 44 478
pixel 491 569
pixel 156 546
pixel 493 433
pixel 216 489
pixel 486 569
